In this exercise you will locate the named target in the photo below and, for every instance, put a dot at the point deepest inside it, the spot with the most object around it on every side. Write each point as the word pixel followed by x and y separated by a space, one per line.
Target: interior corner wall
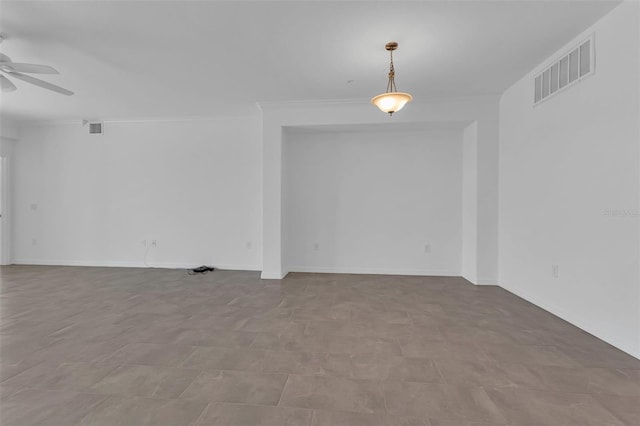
pixel 470 202
pixel 373 201
pixel 193 186
pixel 570 189
pixel 488 198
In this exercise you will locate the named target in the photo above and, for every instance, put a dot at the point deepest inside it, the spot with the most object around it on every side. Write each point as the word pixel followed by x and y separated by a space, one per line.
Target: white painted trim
pixel 265 105
pixel 487 281
pixel 582 323
pixel 217 118
pixel 481 281
pixel 273 276
pixel 375 271
pixel 129 264
pixel 139 120
pixel 472 280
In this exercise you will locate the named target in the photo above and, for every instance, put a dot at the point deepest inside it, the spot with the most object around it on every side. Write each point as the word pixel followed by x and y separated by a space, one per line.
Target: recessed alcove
pixel 376 198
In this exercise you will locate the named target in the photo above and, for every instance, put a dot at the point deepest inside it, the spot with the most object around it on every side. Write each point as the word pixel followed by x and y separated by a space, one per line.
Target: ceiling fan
pixel 8 68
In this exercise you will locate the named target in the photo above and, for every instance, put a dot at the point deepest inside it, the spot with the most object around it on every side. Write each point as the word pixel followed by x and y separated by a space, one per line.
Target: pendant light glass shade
pixel 391 101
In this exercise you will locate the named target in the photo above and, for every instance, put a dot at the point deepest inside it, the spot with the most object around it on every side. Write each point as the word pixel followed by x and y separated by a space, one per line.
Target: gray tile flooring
pixel 114 346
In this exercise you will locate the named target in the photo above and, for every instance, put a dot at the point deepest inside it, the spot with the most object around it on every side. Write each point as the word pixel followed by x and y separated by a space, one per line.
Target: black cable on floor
pixel 201 270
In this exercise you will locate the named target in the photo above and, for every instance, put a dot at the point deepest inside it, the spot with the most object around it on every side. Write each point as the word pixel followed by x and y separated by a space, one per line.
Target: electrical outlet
pixel 427 248
pixel 34 242
pixel 248 245
pixel 316 246
pixel 555 271
pixel 34 206
pixel 154 243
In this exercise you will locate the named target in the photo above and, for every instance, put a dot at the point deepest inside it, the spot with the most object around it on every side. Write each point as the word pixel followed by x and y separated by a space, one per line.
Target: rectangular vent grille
pixel 564 72
pixel 95 128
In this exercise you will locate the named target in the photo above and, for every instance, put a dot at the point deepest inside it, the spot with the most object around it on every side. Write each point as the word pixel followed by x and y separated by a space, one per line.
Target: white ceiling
pixel 133 59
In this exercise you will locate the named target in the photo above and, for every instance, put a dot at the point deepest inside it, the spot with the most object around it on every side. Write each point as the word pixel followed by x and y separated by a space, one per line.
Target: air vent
pixel 564 72
pixel 95 128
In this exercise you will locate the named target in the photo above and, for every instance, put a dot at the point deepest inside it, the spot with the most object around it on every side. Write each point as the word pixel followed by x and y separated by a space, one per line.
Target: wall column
pixel 272 202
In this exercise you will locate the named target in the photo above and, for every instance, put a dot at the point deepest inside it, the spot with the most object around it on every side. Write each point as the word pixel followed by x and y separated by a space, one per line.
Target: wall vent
pixel 95 128
pixel 565 71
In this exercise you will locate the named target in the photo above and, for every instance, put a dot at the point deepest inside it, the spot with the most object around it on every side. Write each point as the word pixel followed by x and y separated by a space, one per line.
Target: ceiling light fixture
pixel 391 101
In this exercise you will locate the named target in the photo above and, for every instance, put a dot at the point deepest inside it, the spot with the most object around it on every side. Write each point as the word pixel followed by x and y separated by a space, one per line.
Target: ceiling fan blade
pixel 30 68
pixel 6 85
pixel 40 83
pixel 4 58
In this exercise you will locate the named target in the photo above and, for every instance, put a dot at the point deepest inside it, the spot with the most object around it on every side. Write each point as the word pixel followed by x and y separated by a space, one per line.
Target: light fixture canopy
pixel 391 101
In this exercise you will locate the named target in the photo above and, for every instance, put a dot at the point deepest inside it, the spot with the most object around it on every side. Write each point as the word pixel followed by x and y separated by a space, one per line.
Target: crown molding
pixel 254 111
pixel 141 120
pixel 266 105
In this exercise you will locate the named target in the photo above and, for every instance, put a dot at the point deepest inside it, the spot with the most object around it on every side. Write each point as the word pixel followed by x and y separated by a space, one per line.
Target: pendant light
pixel 391 101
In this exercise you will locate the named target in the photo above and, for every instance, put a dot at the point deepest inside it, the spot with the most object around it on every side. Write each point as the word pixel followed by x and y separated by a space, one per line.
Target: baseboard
pixel 273 275
pixel 374 271
pixel 471 279
pixel 580 322
pixel 486 281
pixel 130 264
pixel 480 281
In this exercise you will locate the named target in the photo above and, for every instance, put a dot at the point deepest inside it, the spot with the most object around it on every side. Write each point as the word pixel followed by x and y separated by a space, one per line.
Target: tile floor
pixel 112 346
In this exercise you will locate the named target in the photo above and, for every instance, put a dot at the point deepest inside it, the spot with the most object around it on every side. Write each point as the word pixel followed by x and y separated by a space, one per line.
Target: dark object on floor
pixel 200 270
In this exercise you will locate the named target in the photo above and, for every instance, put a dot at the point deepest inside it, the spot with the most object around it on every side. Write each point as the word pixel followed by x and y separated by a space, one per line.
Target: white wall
pixel 487 137
pixel 563 165
pixel 9 134
pixel 192 185
pixel 9 128
pixel 371 200
pixel 204 189
pixel 470 202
